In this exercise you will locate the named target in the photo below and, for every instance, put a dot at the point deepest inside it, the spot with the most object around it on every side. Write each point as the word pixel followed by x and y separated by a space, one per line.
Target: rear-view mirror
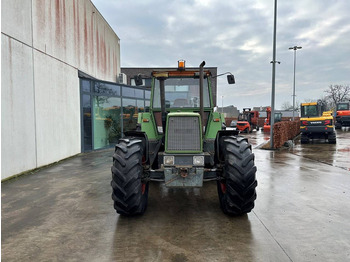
pixel 231 79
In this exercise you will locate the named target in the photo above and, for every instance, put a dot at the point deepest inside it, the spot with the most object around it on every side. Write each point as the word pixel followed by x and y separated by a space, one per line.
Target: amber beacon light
pixel 181 64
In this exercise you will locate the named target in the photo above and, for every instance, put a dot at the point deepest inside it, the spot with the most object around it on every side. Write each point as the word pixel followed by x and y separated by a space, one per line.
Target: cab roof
pixel 179 73
pixel 309 104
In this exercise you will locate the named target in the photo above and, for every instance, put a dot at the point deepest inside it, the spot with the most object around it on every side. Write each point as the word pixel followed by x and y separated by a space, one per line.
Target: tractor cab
pixel 313 109
pixel 343 106
pixel 278 117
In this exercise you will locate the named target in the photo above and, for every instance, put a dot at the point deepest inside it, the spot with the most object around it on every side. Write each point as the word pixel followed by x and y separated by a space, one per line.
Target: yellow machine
pixel 315 122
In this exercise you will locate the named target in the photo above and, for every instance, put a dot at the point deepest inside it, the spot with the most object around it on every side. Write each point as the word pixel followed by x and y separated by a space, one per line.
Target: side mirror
pixel 231 79
pixel 138 80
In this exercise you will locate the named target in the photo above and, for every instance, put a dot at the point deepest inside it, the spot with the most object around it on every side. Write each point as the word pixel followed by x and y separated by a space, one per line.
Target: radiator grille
pixel 183 133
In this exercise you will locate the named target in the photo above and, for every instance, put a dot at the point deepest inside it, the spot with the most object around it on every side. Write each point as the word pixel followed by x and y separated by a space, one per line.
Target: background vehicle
pixel 342 116
pixel 267 123
pixel 315 122
pixel 248 120
pixel 181 141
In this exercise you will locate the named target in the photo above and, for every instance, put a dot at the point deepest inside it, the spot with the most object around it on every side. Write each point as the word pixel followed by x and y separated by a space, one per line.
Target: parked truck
pixel 181 141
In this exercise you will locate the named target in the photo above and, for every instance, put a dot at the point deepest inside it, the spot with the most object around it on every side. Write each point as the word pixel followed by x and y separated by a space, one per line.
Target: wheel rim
pixel 143 188
pixel 223 187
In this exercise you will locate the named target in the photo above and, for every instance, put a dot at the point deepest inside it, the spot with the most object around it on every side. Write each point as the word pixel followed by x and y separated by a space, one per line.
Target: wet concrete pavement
pixel 337 155
pixel 302 213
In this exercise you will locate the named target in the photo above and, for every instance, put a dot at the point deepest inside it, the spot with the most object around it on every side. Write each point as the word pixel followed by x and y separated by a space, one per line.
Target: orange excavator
pixel 267 123
pixel 342 117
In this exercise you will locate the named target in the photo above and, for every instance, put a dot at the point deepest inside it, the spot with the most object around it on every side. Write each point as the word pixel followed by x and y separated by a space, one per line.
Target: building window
pixel 87 124
pixel 108 110
pixel 107 126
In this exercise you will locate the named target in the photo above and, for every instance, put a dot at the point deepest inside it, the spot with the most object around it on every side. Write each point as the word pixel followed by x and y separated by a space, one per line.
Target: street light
pixel 295 58
pixel 222 104
pixel 272 121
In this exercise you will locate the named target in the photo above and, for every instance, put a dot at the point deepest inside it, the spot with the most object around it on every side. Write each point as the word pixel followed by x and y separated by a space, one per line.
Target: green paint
pixel 148 125
pixel 212 126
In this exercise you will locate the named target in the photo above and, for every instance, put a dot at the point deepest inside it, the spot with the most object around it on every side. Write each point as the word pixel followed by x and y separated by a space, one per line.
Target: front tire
pixel 237 188
pixel 130 193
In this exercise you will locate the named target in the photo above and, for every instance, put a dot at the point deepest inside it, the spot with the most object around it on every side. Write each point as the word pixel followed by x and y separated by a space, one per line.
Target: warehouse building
pixel 63 91
pixel 59 95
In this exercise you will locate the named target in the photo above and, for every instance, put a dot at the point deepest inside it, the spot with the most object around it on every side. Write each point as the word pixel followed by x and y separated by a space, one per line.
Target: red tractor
pixel 267 123
pixel 248 120
pixel 342 117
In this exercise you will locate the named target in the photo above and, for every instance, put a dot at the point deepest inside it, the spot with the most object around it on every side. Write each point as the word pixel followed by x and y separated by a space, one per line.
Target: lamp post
pixel 222 104
pixel 295 59
pixel 272 121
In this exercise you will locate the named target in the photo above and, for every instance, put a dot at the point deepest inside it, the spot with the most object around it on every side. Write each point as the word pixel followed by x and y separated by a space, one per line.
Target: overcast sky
pixel 237 36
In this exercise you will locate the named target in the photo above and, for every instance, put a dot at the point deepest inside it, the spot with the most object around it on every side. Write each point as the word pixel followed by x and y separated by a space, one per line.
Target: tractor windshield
pixel 181 93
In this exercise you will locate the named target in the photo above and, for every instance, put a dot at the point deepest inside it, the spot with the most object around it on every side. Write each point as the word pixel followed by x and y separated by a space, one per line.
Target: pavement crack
pixel 284 251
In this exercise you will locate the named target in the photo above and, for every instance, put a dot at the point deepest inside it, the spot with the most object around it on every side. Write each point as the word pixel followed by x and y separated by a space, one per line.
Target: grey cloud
pixel 236 36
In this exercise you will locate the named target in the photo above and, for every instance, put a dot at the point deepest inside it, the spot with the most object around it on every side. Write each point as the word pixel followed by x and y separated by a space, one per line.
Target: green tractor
pixel 182 142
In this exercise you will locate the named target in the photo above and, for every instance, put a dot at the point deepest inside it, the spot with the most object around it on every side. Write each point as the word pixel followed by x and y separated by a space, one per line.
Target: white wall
pixel 76 33
pixel 18 147
pixel 57 109
pixel 44 43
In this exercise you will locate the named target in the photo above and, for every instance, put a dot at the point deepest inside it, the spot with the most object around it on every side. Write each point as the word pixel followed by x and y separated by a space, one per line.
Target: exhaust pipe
pixel 201 91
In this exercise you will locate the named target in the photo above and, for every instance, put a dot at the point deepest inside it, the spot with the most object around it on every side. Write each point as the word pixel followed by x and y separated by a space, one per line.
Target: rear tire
pixel 338 126
pixel 130 194
pixel 332 138
pixel 304 139
pixel 237 188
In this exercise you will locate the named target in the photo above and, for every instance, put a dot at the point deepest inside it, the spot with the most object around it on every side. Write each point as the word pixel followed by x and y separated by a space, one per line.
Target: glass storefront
pixel 107 127
pixel 108 110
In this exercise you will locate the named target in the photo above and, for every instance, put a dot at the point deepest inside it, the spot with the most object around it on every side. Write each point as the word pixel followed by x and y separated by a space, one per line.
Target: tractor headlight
pixel 198 160
pixel 169 160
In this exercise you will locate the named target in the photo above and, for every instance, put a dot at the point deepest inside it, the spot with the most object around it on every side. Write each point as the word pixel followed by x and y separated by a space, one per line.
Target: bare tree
pixel 337 93
pixel 288 106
